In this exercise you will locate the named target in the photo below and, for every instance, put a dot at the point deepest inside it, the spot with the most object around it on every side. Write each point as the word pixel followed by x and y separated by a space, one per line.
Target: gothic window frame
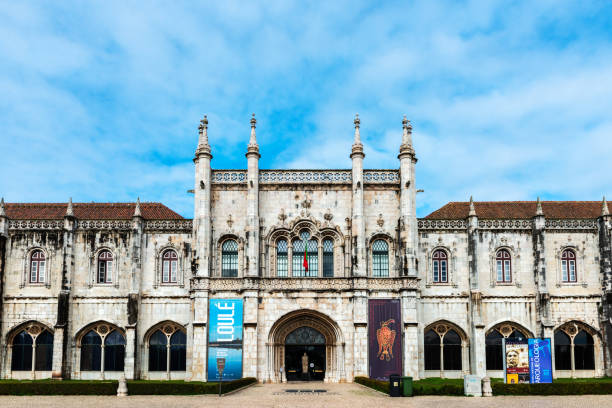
pixel 105 262
pixel 431 269
pixel 27 268
pixel 503 264
pixel 94 271
pixel 159 266
pixel 229 258
pixel 572 329
pixel 373 241
pixel 168 329
pixel 34 330
pixel 218 264
pixel 313 242
pixel 441 328
pixel 505 329
pixel 103 330
pixel 514 265
pixel 327 257
pixel 277 257
pixel 580 270
pixel 569 266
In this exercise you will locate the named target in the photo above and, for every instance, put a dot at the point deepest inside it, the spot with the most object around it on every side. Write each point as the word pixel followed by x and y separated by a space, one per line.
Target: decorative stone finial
pixel 357 122
pixel 539 210
pixel 253 140
pixel 604 207
pixel 472 212
pixel 2 211
pixel 137 212
pixel 69 209
pixel 203 128
pixel 407 133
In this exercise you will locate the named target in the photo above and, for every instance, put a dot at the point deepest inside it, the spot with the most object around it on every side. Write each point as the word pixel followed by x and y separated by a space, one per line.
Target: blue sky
pixel 100 101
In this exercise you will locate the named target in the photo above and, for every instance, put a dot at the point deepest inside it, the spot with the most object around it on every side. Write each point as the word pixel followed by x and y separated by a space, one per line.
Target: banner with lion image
pixel 385 338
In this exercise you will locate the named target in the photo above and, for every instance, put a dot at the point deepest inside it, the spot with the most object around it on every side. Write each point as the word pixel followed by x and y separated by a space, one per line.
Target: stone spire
pixel 604 207
pixel 357 122
pixel 253 139
pixel 203 146
pixel 2 211
pixel 472 212
pixel 407 133
pixel 357 145
pixel 137 212
pixel 539 210
pixel 69 209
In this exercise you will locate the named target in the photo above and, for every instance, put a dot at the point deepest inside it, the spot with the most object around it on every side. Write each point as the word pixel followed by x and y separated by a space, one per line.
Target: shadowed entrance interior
pixel 305 355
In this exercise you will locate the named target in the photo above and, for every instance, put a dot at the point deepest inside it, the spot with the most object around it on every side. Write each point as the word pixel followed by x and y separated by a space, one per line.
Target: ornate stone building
pixel 93 291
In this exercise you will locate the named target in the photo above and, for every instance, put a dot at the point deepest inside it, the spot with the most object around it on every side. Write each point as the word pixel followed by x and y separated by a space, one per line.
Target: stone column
pixel 130 352
pixel 253 204
pixel 604 226
pixel 408 221
pixel 199 339
pixel 477 341
pixel 63 319
pixel 539 263
pixel 58 348
pixel 4 222
pixel 410 329
pixel 249 341
pixel 360 334
pixel 358 221
pixel 201 218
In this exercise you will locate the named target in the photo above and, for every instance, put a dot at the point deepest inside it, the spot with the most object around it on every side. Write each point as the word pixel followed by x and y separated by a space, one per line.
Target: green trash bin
pixel 407 386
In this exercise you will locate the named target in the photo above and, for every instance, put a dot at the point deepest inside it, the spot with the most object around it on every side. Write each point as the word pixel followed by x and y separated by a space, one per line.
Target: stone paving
pixel 303 395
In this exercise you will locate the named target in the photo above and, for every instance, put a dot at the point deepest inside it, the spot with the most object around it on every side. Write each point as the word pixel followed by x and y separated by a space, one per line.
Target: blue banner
pixel 540 361
pixel 225 338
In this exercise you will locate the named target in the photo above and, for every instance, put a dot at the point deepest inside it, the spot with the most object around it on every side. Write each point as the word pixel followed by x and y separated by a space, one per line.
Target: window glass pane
pixel 165 271
pixel 443 274
pixel 109 271
pixel 114 352
pixel 91 352
pixel 572 275
pixel 173 270
pixel 563 359
pixel 297 261
pixel 436 276
pixel 432 350
pixel 452 350
pixel 564 270
pixel 34 272
pixel 500 275
pixel 507 277
pixel 584 352
pixel 178 351
pixel 158 351
pixel 313 258
pixel 44 351
pixel 494 352
pixel 101 271
pixel 328 258
pixel 229 259
pixel 41 271
pixel 22 352
pixel 380 258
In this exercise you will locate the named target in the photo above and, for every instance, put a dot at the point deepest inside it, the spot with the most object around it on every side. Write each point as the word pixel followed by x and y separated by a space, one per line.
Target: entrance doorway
pixel 305 355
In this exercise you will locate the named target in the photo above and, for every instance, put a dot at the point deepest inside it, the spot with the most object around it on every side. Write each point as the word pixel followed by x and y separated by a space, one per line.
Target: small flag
pixel 305 263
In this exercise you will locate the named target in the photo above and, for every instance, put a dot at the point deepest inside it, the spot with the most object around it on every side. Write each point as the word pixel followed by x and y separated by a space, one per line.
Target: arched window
pixel 44 351
pixel 440 266
pixel 37 267
pixel 114 351
pixel 282 263
pixel 299 249
pixel 568 265
pixel 102 344
pixel 380 258
pixel 432 350
pixel 169 266
pixel 451 350
pixel 328 258
pixel 168 352
pixel 574 348
pixel 563 351
pixel 504 266
pixel 158 351
pixel 178 351
pixel 22 352
pixel 91 352
pixel 229 259
pixel 32 348
pixel 493 345
pixel 443 349
pixel 105 267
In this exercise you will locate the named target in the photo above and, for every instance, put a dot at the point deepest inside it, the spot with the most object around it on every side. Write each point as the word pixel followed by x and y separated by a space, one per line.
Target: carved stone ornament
pixel 328 215
pixel 282 217
pixel 441 329
pixel 380 221
pixel 307 203
pixel 230 222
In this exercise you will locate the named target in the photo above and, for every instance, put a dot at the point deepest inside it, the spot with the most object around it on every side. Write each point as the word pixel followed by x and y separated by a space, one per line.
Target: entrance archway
pixel 305 332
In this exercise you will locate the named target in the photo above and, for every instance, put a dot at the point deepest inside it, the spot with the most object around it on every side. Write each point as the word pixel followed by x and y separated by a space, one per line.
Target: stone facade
pixel 351 209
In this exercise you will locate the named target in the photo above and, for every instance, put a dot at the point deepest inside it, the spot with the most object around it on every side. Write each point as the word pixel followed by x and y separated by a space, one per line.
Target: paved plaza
pixel 310 395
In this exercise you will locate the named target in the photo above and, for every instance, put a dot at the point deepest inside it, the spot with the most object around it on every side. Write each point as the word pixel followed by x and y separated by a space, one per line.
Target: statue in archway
pixel 305 365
